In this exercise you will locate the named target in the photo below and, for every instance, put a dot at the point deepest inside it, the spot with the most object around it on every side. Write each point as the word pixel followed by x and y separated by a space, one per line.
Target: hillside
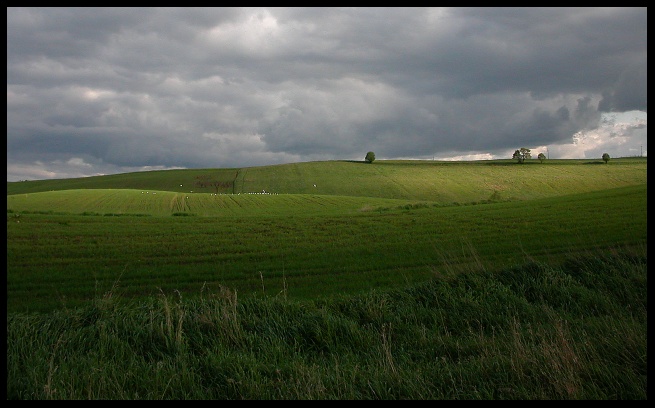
pixel 163 203
pixel 362 226
pixel 438 182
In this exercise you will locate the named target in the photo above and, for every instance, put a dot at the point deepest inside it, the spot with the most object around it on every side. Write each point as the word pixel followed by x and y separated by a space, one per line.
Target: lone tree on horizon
pixel 370 157
pixel 541 157
pixel 606 157
pixel 522 154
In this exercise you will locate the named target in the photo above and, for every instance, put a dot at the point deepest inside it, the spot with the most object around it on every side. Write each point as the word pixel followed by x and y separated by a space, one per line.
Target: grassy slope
pixel 378 242
pixel 310 255
pixel 161 203
pixel 437 182
pixel 531 332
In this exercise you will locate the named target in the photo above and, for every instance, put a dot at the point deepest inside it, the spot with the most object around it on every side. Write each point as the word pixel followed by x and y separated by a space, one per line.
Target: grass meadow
pixel 331 280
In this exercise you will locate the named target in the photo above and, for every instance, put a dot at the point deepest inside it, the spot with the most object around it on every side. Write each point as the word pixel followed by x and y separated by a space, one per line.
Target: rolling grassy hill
pixel 321 227
pixel 162 203
pixel 439 183
pixel 331 280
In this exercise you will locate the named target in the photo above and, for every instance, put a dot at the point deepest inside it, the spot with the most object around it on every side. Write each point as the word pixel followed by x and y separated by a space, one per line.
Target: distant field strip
pixel 162 203
pixel 439 182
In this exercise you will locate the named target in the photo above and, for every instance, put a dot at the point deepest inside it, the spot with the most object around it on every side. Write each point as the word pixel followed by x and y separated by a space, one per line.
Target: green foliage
pixel 606 157
pixel 541 157
pixel 370 157
pixel 522 154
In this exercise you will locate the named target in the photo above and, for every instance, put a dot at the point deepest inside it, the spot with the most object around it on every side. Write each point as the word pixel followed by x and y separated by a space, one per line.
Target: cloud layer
pixel 109 90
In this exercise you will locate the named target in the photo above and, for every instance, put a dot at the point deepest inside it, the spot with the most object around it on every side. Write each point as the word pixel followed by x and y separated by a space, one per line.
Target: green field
pixel 332 280
pixel 309 229
pixel 434 181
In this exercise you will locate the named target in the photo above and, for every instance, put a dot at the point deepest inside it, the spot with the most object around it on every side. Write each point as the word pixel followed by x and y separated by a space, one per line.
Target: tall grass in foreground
pixel 572 331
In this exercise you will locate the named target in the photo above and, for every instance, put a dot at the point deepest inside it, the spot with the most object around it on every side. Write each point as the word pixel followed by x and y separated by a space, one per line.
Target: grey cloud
pixel 627 93
pixel 125 88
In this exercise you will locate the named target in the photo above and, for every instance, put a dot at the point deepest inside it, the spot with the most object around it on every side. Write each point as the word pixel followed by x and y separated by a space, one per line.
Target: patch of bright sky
pixel 611 136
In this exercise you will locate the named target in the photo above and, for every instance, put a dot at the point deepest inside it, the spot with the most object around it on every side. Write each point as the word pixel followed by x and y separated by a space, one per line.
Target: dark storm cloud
pixel 105 90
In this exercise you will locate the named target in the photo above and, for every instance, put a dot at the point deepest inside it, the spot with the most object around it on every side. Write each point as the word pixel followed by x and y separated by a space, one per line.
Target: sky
pixel 94 91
